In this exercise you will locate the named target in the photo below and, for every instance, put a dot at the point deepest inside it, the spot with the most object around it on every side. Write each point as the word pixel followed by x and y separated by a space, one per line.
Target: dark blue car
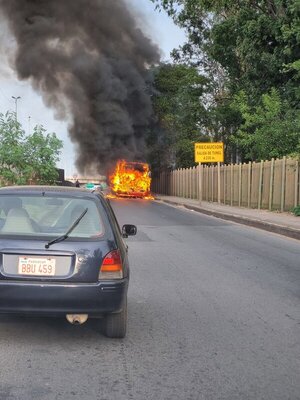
pixel 62 253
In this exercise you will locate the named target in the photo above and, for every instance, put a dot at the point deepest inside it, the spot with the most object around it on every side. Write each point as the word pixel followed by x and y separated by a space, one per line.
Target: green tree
pixel 255 42
pixel 43 149
pixel 25 159
pixel 180 115
pixel 12 161
pixel 245 46
pixel 270 129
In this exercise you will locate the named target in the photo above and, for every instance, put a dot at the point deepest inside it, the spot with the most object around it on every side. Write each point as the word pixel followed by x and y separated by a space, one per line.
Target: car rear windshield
pixel 37 215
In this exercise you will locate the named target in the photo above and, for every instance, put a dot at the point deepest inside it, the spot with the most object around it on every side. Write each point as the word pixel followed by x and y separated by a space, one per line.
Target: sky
pixel 31 110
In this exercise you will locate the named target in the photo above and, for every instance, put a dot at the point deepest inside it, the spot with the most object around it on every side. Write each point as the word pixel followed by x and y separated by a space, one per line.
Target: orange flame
pixel 131 179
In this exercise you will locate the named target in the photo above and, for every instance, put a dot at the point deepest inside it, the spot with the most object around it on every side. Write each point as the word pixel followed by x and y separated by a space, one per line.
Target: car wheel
pixel 116 324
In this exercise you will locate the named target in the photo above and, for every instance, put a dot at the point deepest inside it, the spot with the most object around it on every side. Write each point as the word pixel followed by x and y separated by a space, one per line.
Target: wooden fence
pixel 272 185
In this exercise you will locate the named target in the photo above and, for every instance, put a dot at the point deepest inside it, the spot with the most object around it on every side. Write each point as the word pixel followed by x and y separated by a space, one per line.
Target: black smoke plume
pixel 90 61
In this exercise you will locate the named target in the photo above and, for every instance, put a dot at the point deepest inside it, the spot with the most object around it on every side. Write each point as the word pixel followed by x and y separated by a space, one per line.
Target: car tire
pixel 116 324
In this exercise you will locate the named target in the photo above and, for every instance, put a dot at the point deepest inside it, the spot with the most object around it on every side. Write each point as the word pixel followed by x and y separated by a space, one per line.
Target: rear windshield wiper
pixel 66 235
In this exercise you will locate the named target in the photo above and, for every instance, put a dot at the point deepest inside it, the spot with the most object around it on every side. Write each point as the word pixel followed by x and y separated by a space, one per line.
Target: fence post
pixel 219 182
pixel 240 184
pixel 168 183
pixel 231 184
pixel 296 184
pixel 249 184
pixel 205 182
pixel 282 184
pixel 188 182
pixel 271 184
pixel 190 179
pixel 174 182
pixel 185 183
pixel 212 182
pixel 207 179
pixel 200 182
pixel 195 182
pixel 182 182
pixel 260 184
pixel 224 188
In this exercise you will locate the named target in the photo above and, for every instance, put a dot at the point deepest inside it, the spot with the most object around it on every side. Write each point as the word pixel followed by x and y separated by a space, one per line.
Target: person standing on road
pixel 77 184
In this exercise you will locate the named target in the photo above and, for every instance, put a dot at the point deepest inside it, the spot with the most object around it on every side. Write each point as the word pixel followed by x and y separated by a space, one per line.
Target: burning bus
pixel 131 179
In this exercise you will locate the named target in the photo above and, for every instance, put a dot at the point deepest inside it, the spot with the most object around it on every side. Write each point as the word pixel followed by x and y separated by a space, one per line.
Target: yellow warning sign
pixel 209 152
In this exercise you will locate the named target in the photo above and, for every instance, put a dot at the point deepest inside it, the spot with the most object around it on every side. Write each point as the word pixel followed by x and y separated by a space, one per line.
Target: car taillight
pixel 111 267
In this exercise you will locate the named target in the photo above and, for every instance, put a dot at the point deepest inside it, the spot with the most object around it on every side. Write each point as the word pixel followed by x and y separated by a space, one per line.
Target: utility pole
pixel 29 127
pixel 16 103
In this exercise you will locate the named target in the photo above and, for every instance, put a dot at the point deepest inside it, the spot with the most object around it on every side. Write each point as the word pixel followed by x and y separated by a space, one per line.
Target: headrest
pixel 17 221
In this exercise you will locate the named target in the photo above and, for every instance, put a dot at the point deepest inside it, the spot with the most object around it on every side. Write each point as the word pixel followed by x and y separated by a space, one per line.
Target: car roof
pixel 59 190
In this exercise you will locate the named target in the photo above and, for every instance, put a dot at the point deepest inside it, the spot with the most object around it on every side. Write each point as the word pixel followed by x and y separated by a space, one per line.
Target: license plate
pixel 36 266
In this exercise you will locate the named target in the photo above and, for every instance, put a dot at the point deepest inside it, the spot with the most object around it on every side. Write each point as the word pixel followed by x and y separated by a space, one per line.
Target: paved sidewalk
pixel 282 223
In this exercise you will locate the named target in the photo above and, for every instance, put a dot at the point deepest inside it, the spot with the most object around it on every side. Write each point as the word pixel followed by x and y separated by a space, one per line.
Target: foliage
pixel 249 50
pixel 256 42
pixel 11 150
pixel 270 129
pixel 179 112
pixel 296 211
pixel 25 159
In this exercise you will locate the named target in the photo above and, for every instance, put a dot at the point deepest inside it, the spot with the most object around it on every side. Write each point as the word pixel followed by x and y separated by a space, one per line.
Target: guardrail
pixel 272 185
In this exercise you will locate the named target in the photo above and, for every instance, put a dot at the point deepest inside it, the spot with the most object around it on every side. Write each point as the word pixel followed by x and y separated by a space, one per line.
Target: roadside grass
pixel 296 211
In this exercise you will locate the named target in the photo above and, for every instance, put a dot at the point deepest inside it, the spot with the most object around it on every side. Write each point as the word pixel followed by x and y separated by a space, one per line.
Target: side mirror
pixel 128 230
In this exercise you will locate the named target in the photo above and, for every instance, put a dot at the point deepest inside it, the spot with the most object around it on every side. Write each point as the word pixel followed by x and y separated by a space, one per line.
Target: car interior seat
pixel 88 226
pixel 17 221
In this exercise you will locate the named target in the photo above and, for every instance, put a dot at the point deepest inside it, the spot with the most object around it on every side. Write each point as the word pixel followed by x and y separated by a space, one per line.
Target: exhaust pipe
pixel 77 319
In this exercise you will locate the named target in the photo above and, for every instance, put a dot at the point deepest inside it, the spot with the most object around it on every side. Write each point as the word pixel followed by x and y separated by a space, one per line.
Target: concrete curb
pixel 267 226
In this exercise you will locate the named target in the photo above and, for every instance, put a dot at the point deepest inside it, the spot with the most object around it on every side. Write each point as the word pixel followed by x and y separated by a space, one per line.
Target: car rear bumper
pixel 57 298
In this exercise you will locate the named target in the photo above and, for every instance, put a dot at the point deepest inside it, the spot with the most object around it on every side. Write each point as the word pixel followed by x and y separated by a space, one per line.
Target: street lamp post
pixel 16 102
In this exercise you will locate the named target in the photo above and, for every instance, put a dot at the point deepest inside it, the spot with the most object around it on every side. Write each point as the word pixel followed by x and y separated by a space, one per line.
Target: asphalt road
pixel 213 314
